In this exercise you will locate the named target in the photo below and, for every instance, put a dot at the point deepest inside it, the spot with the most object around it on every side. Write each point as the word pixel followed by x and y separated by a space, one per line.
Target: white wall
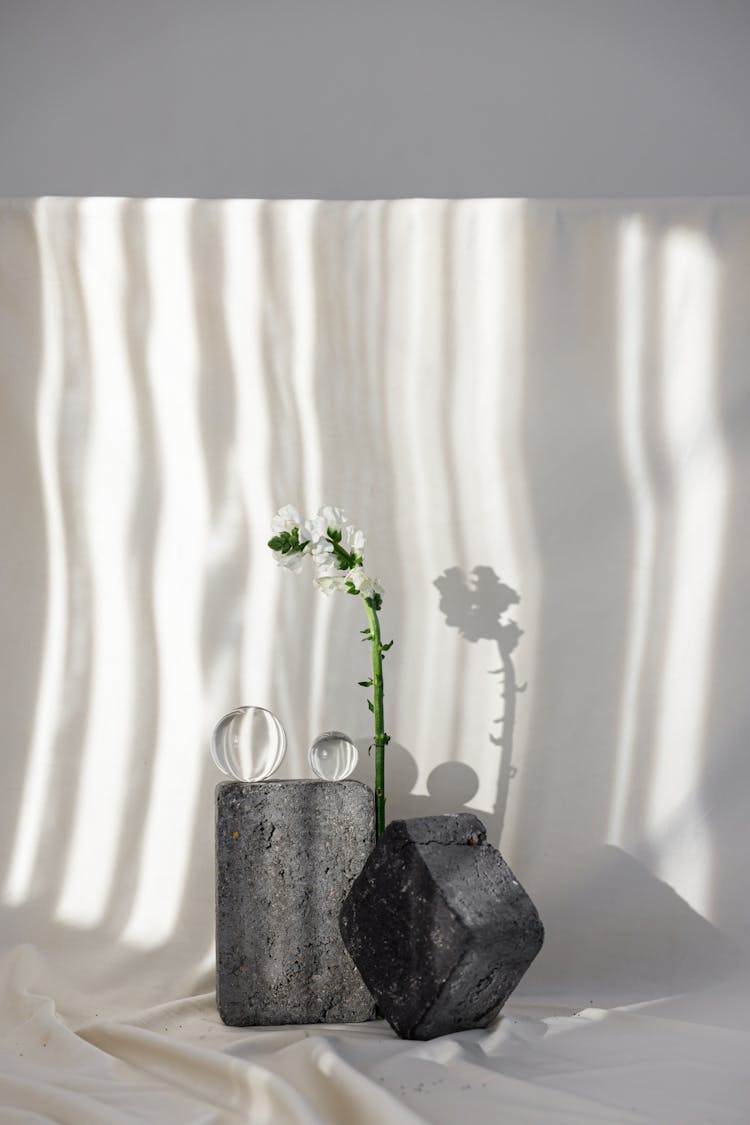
pixel 356 99
pixel 552 395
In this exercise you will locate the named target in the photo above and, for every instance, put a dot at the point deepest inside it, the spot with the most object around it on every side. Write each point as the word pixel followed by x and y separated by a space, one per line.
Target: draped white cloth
pixel 539 414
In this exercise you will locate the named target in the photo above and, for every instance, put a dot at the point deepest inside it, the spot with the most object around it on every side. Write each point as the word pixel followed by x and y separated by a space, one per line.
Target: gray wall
pixel 374 98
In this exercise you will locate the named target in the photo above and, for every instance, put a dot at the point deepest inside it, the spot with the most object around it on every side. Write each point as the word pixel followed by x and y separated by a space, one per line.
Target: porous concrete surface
pixel 287 853
pixel 439 927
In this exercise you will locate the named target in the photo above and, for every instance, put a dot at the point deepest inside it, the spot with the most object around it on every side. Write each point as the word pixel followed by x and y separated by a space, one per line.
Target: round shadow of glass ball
pixel 452 784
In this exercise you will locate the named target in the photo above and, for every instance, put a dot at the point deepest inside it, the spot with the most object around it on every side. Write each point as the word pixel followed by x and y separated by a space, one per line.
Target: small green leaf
pixel 365 683
pixel 369 704
pixel 384 648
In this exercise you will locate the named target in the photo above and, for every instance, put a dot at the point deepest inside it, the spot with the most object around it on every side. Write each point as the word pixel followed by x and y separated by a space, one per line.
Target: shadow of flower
pixel 477 606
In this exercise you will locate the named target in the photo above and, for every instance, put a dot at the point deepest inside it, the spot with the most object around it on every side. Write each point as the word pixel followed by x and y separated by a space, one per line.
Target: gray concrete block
pixel 439 927
pixel 287 853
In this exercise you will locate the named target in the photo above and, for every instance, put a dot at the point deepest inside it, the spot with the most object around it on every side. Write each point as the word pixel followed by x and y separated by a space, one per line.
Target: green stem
pixel 377 703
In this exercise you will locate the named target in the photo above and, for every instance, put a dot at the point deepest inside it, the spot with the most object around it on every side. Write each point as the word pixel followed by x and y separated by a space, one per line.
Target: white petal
pixel 314 529
pixel 355 540
pixel 357 576
pixel 285 519
pixel 290 561
pixel 321 549
pixel 330 582
pixel 334 517
pixel 371 586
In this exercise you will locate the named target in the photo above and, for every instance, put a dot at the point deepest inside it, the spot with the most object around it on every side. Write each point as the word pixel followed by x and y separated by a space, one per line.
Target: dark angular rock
pixel 287 853
pixel 439 927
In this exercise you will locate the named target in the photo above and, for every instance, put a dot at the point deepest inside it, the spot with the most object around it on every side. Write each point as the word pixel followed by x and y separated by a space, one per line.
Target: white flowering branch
pixel 337 551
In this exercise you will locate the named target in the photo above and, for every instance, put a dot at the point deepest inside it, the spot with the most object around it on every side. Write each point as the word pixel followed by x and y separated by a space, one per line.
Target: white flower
pixel 314 533
pixel 315 530
pixel 286 519
pixel 291 561
pixel 357 576
pixel 287 525
pixel 330 581
pixel 368 587
pixel 334 518
pixel 355 540
pixel 321 551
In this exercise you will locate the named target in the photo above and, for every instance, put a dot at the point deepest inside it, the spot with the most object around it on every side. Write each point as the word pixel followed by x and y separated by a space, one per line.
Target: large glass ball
pixel 333 756
pixel 248 744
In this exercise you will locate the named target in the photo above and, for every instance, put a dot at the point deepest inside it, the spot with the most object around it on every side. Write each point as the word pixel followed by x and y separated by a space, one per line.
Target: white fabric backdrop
pixel 539 413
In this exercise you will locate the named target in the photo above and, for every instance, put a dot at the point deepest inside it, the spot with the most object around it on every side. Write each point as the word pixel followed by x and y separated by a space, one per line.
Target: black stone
pixel 287 853
pixel 439 927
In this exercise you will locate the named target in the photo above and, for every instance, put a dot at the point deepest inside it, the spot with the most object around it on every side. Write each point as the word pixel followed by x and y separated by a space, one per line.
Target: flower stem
pixel 381 738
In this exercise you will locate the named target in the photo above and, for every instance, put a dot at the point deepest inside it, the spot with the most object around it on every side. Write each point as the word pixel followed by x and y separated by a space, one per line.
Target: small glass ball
pixel 248 744
pixel 333 756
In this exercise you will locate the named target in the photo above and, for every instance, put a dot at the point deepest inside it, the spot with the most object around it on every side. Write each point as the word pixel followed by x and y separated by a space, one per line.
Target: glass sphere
pixel 248 744
pixel 333 756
